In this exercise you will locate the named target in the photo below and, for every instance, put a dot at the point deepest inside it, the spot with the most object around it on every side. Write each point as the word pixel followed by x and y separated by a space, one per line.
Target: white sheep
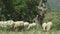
pixel 18 24
pixel 44 26
pixel 26 24
pixel 6 23
pixel 10 22
pixel 49 26
pixel 32 25
pixel 1 24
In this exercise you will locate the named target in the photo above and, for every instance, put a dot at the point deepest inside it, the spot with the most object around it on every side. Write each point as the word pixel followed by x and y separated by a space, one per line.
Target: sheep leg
pixel 48 28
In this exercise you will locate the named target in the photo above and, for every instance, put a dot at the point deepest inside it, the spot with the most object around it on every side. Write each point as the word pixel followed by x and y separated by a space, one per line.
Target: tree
pixel 25 10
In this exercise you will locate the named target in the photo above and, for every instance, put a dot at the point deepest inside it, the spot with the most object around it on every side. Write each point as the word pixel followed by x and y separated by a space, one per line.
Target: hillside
pixel 53 4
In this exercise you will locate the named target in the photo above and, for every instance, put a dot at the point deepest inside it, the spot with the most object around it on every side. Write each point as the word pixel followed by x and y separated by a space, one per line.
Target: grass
pixel 53 16
pixel 31 32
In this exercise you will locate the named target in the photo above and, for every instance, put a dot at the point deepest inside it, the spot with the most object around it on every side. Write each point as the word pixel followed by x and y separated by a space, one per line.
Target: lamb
pixel 32 25
pixel 49 26
pixel 44 26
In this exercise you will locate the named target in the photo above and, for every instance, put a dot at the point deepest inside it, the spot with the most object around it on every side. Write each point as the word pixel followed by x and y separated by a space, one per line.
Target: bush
pixel 19 9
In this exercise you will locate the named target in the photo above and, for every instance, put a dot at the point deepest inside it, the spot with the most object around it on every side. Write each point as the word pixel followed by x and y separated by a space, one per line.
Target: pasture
pixel 53 16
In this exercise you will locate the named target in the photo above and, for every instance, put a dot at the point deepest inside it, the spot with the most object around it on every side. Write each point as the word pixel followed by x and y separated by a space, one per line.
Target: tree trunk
pixel 41 13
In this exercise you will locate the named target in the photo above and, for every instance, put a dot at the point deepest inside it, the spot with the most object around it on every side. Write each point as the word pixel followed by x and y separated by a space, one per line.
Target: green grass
pixel 50 16
pixel 53 16
pixel 31 32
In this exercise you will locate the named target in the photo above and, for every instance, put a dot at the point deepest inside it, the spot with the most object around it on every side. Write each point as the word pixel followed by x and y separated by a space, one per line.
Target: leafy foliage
pixel 18 9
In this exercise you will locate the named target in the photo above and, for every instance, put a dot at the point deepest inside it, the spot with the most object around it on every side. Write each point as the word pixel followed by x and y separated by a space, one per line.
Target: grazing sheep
pixel 1 24
pixel 10 22
pixel 26 24
pixel 18 25
pixel 49 26
pixel 44 26
pixel 6 24
pixel 32 25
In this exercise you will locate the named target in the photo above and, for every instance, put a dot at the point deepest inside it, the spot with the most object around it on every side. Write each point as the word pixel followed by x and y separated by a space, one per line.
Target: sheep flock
pixel 20 25
pixel 16 25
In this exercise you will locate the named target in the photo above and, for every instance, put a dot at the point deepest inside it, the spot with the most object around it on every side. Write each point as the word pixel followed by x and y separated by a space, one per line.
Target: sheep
pixel 10 22
pixel 32 25
pixel 26 24
pixel 6 24
pixel 18 25
pixel 44 26
pixel 49 26
pixel 1 24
